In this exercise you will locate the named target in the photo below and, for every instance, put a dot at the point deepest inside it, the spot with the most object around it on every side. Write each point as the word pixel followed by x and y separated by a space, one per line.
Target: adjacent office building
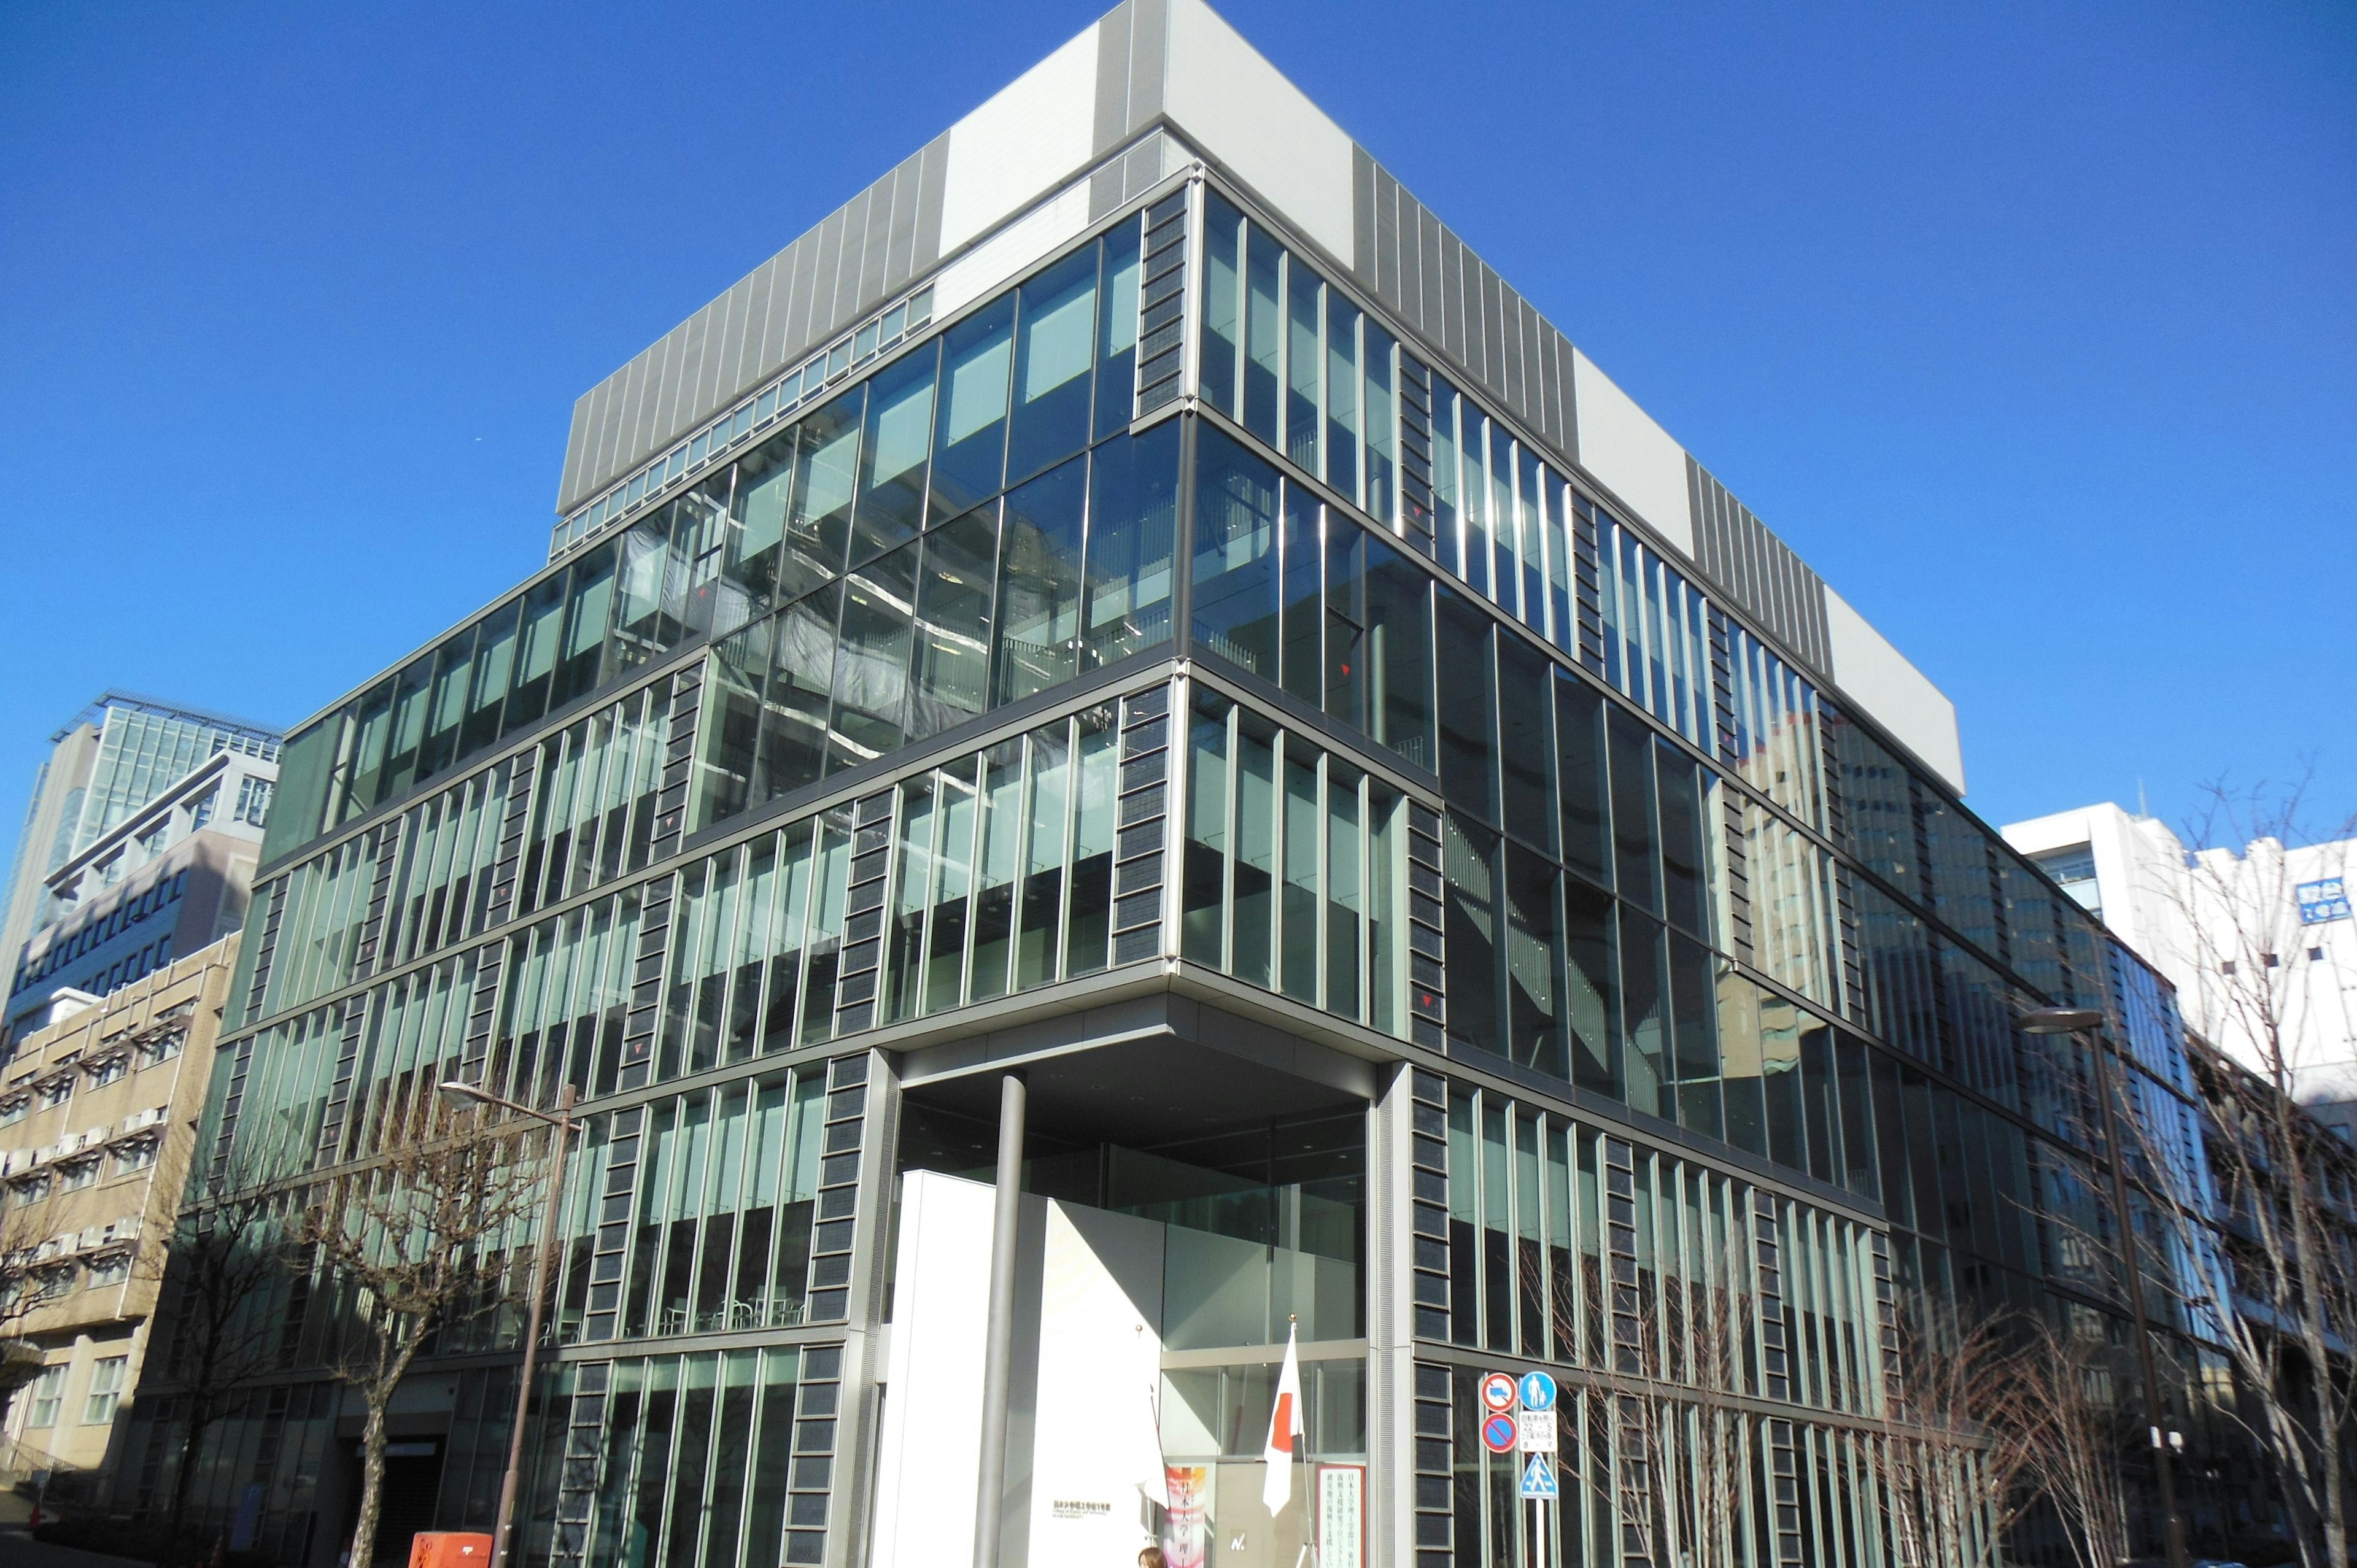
pixel 98 1113
pixel 170 875
pixel 2278 913
pixel 1132 598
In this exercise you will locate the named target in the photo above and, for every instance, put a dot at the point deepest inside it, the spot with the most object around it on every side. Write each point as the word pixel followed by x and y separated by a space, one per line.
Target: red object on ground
pixel 449 1549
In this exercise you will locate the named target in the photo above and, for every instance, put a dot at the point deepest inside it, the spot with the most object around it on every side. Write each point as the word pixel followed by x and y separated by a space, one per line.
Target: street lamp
pixel 469 1093
pixel 2077 1020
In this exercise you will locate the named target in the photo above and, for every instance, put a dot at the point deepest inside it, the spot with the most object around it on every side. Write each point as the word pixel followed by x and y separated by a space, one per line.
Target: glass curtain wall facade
pixel 991 685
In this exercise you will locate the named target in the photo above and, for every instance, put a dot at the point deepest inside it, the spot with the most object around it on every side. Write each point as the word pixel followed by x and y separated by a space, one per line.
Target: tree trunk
pixel 372 1479
pixel 200 1419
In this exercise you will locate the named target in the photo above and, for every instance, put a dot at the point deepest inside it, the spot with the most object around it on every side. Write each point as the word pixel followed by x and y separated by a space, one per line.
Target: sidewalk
pixel 18 1549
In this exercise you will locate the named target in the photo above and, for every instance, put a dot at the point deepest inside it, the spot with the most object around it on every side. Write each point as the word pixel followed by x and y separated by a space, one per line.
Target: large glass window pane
pixel 1253 926
pixel 1132 521
pixel 1695 1037
pixel 1469 859
pixel 1054 350
pixel 1218 358
pixel 1533 949
pixel 1341 394
pixel 1264 332
pixel 1344 902
pixel 650 582
pixel 411 692
pixel 732 723
pixel 1399 654
pixel 589 606
pixel 1304 612
pixel 1116 394
pixel 1387 961
pixel 1448 513
pixel 1644 1000
pixel 1049 790
pixel 1299 916
pixel 700 531
pixel 764 485
pixel 1632 809
pixel 970 457
pixel 1305 364
pixel 1524 745
pixel 871 660
pixel 453 668
pixel 999 864
pixel 1473 495
pixel 801 670
pixel 953 881
pixel 535 663
pixel 952 669
pixel 1089 926
pixel 1235 565
pixel 826 472
pixel 892 456
pixel 1038 619
pixel 1346 618
pixel 1381 425
pixel 1469 748
pixel 1203 895
pixel 912 886
pixel 494 658
pixel 372 729
pixel 1684 898
pixel 1592 989
pixel 1579 777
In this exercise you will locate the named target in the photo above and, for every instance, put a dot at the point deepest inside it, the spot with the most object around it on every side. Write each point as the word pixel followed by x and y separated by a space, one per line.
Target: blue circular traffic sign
pixel 1499 1433
pixel 1537 1392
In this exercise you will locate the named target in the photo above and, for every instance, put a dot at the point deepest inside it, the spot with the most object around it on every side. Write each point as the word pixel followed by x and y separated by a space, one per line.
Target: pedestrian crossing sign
pixel 1538 1479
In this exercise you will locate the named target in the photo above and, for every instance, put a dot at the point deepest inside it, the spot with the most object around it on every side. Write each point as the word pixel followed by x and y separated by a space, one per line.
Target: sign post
pixel 1536 1438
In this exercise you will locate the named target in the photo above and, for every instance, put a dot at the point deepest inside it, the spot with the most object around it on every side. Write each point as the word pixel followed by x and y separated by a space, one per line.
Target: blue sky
pixel 2032 325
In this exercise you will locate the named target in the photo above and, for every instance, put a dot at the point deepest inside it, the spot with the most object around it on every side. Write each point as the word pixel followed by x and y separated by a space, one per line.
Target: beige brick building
pixel 97 1116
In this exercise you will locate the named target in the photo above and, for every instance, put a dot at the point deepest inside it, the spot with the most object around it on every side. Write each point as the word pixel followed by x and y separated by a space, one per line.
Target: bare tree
pixel 421 1244
pixel 1953 1450
pixel 2076 1438
pixel 2265 1261
pixel 218 1275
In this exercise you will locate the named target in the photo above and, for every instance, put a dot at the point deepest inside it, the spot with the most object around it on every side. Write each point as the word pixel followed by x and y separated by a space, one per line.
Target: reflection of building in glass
pixel 1132 598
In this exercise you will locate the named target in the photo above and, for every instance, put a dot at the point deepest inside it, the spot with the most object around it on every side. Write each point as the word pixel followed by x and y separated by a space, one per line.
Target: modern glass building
pixel 1132 598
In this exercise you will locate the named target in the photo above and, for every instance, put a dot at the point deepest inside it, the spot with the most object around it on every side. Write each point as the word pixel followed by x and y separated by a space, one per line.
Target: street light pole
pixel 2073 1021
pixel 503 1525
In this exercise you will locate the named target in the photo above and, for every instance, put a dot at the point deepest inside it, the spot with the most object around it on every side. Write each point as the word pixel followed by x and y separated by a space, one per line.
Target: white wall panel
pixel 1240 109
pixel 930 1448
pixel 1008 254
pixel 1898 696
pixel 1620 444
pixel 1022 143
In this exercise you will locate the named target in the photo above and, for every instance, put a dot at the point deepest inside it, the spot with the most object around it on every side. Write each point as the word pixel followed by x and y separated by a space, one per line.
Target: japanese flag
pixel 1284 1431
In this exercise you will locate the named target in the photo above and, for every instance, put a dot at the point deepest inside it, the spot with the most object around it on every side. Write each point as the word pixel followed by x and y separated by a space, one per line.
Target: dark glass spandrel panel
pixel 1055 337
pixel 1592 989
pixel 871 662
pixel 951 673
pixel 1303 612
pixel 1685 897
pixel 970 437
pixel 1116 394
pixel 1219 357
pixel 801 669
pixel 1469 706
pixel 1579 778
pixel 495 649
pixel 1633 809
pixel 305 765
pixel 1039 613
pixel 1470 863
pixel 1264 332
pixel 765 482
pixel 589 612
pixel 411 692
pixel 892 456
pixel 536 661
pixel 1525 743
pixel 1133 542
pixel 826 472
pixel 1533 963
pixel 1399 654
pixel 1235 554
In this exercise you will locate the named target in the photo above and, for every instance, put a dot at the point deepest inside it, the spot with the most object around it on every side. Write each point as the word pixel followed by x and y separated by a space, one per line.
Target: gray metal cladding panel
pixel 1366 247
pixel 876 254
pixel 1743 558
pixel 1110 123
pixel 932 185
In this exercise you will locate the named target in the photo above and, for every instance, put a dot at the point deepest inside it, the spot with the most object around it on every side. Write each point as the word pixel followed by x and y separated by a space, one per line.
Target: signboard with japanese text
pixel 2327 898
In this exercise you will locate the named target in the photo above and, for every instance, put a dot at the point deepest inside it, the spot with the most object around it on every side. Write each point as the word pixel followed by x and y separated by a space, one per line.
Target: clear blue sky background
pixel 2029 324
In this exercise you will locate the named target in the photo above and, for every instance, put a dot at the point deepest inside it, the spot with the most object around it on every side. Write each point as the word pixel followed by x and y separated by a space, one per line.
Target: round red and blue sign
pixel 1498 1392
pixel 1498 1434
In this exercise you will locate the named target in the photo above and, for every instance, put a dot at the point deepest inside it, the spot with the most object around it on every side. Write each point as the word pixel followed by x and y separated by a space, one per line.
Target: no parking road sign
pixel 1500 1432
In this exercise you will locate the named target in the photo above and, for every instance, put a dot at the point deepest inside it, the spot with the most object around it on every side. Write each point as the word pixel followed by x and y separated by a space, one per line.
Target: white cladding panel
pixel 1620 444
pixel 930 1451
pixel 1241 110
pixel 1005 254
pixel 1899 697
pixel 1026 140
